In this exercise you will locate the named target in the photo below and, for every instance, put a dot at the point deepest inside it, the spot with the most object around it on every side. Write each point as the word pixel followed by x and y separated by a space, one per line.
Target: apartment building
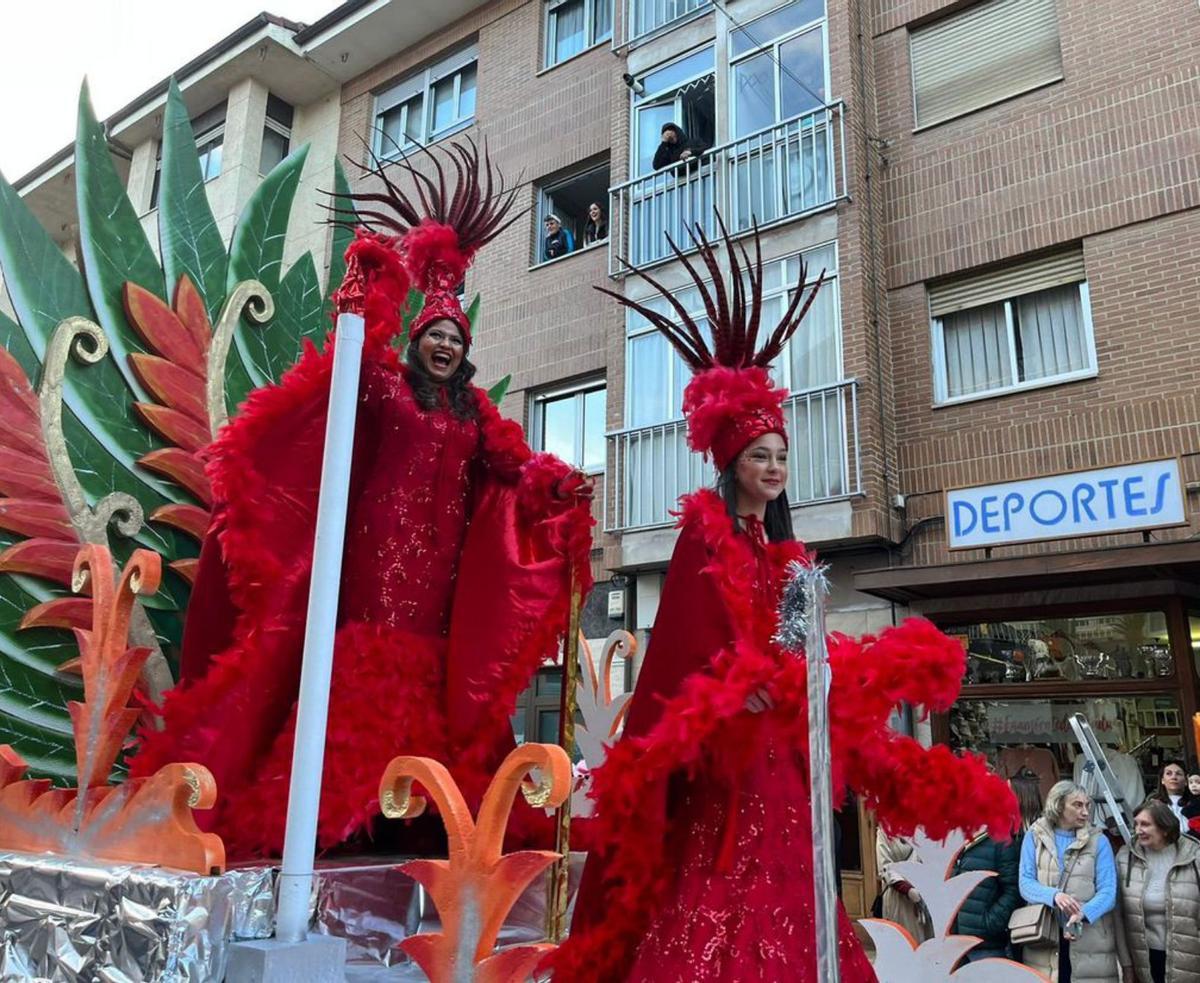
pixel 994 413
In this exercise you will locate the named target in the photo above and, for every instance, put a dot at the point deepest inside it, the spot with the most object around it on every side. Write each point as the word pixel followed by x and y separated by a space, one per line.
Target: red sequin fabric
pixel 754 920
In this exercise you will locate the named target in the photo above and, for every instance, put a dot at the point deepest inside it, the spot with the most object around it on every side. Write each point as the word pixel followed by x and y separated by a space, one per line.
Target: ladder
pixel 1098 777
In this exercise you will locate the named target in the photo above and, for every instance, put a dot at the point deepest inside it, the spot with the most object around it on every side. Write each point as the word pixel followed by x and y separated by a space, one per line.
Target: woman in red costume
pixel 700 866
pixel 459 551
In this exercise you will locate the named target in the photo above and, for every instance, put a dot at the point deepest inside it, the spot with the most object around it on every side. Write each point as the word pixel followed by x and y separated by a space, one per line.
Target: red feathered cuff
pixel 375 285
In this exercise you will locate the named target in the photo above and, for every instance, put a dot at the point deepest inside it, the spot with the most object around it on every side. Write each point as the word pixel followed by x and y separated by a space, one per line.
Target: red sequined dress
pixel 712 881
pixel 455 587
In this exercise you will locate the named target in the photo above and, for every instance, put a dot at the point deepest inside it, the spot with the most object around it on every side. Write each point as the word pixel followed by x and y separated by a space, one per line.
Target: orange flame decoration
pixel 476 887
pixel 144 821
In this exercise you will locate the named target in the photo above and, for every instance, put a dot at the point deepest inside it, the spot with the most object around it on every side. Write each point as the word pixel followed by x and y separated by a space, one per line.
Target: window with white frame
pixel 657 465
pixel 978 56
pixel 778 66
pixel 1020 327
pixel 209 130
pixel 277 134
pixel 569 422
pixel 573 26
pixel 427 105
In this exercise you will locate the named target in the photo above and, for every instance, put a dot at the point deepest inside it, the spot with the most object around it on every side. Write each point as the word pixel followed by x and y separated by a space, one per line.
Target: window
pixel 657 465
pixel 1021 327
pixel 570 423
pixel 427 105
pixel 680 92
pixel 1074 649
pixel 573 26
pixel 778 66
pixel 979 56
pixel 569 199
pixel 538 708
pixel 277 134
pixel 209 129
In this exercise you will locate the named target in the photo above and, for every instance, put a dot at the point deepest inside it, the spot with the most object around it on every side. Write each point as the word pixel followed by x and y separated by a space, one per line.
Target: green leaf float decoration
pixel 187 232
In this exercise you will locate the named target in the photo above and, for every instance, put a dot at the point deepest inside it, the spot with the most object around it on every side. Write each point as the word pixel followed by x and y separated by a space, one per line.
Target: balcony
pixel 777 174
pixel 644 18
pixel 652 466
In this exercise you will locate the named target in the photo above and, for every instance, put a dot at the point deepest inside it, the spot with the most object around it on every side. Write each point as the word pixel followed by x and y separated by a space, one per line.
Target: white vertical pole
pixel 308 754
pixel 820 768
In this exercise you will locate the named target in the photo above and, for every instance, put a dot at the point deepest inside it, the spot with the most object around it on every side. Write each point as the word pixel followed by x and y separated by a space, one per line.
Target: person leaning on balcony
pixel 1063 840
pixel 1159 941
pixel 675 147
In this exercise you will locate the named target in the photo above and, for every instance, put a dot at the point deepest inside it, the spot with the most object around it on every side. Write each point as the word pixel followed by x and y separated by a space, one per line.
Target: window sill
pixel 603 42
pixel 1024 387
pixel 987 105
pixel 578 252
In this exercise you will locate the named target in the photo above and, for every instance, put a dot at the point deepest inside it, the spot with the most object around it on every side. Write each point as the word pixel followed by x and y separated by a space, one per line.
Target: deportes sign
pixel 1086 503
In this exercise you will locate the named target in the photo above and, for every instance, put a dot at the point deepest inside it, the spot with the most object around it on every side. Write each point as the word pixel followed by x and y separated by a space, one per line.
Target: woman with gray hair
pixel 1160 900
pixel 1067 865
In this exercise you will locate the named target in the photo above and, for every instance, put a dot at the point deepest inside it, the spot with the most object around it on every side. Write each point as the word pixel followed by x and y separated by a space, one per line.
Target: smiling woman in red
pixel 700 865
pixel 459 545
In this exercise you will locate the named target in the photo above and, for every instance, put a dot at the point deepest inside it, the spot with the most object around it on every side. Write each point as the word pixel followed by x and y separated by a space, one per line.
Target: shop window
pixel 1138 733
pixel 1020 327
pixel 573 26
pixel 570 423
pixel 427 105
pixel 209 130
pixel 277 134
pixel 1081 649
pixel 566 219
pixel 979 56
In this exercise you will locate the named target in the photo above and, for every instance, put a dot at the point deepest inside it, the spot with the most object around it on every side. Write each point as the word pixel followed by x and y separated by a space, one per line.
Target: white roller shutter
pixel 983 54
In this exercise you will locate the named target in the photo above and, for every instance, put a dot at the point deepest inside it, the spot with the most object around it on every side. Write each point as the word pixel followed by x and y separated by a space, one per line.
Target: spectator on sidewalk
pixel 902 902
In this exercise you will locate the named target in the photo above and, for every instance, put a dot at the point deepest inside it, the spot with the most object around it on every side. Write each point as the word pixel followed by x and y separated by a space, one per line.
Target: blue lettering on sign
pixel 1098 502
pixel 1108 484
pixel 1013 503
pixel 1160 493
pixel 959 508
pixel 1081 503
pixel 989 512
pixel 1046 518
pixel 1132 496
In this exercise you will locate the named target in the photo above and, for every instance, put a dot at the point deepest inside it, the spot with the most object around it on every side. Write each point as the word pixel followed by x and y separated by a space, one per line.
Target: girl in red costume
pixel 459 547
pixel 700 866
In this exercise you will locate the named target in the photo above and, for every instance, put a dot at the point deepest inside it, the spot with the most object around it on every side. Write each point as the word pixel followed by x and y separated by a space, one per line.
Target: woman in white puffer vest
pixel 1159 912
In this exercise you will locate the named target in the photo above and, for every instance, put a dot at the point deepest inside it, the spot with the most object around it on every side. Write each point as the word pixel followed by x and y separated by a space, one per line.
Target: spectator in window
pixel 558 240
pixel 675 147
pixel 596 229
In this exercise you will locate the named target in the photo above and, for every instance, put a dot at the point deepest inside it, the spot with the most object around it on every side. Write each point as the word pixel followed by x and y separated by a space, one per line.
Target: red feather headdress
pixel 439 232
pixel 730 400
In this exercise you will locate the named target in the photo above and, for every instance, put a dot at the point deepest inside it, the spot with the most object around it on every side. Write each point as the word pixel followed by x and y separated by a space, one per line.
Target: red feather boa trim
pixel 906 784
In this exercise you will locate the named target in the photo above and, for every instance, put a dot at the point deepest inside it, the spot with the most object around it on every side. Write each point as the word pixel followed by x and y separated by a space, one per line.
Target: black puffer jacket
pixel 986 912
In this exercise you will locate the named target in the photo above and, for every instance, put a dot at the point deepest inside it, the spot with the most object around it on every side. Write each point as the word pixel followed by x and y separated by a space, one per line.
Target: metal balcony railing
pixel 645 17
pixel 778 173
pixel 650 467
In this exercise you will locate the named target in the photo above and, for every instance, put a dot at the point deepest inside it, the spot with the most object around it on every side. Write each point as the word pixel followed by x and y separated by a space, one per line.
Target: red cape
pixel 244 634
pixel 710 649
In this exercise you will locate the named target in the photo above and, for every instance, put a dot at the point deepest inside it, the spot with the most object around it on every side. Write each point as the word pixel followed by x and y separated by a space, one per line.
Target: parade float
pixel 117 374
